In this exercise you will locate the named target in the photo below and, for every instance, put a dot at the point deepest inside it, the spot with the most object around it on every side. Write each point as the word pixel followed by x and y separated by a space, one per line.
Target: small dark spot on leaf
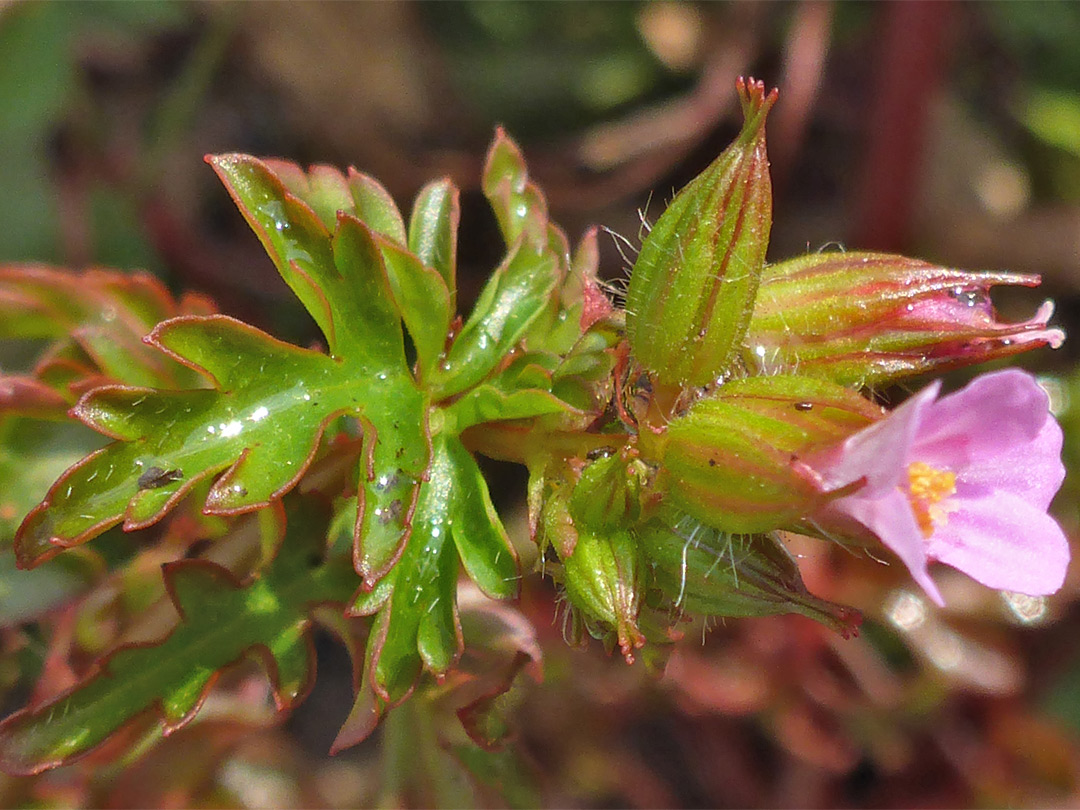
pixel 383 483
pixel 390 513
pixel 803 406
pixel 600 452
pixel 712 462
pixel 156 477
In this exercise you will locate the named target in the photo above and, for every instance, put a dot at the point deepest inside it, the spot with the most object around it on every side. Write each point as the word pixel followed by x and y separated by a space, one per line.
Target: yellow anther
pixel 927 487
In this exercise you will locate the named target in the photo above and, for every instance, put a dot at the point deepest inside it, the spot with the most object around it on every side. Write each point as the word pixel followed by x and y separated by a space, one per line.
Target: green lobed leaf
pixel 521 391
pixel 375 207
pixel 423 293
pixel 417 626
pixel 221 621
pixel 169 440
pixel 418 622
pixel 433 230
pixel 518 203
pixel 478 533
pixel 583 378
pixel 328 192
pixel 293 235
pixel 425 303
pixel 516 294
pixel 323 188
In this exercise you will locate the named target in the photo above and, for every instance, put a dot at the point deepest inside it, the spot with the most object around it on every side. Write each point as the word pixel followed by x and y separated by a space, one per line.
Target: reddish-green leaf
pixel 105 313
pixel 433 230
pixel 293 213
pixel 513 298
pixel 417 626
pixel 425 303
pixel 220 621
pixel 518 203
pixel 262 422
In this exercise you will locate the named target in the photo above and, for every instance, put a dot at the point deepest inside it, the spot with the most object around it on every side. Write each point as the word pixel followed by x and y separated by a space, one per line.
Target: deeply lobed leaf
pixel 171 440
pixel 220 621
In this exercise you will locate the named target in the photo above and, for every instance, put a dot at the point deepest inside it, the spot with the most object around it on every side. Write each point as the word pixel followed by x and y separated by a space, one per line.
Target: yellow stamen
pixel 927 488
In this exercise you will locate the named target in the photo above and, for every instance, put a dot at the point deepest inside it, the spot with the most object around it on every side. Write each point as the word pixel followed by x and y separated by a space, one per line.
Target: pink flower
pixel 964 480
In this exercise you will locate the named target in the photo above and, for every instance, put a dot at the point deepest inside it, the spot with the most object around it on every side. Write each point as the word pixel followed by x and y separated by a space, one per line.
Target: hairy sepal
pixel 693 285
pixel 734 459
pixel 875 318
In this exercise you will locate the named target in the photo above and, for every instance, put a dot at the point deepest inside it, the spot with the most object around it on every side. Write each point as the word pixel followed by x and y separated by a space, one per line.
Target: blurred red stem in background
pixel 805 51
pixel 911 57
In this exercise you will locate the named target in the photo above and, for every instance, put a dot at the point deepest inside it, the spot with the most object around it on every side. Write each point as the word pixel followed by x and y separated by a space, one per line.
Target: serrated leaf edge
pixel 257 651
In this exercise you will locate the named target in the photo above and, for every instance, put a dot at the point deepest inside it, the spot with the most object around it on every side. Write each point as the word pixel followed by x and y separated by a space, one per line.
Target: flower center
pixel 927 487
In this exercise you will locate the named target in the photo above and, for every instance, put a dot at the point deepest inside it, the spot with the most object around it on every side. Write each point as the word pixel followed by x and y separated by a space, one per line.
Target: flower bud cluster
pixel 747 417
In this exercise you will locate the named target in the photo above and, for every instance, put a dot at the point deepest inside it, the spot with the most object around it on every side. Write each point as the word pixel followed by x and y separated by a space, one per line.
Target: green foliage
pixel 209 407
pixel 695 280
pixel 39 84
pixel 338 483
pixel 220 620
pixel 546 67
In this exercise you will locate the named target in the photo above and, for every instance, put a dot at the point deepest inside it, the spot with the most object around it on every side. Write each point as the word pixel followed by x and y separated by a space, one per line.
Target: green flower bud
pixel 603 581
pixel 556 524
pixel 608 494
pixel 733 459
pixel 692 289
pixel 871 318
pixel 705 571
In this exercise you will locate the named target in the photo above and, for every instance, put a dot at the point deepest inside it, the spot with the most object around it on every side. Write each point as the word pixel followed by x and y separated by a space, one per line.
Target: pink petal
pixel 989 416
pixel 880 452
pixel 1031 471
pixel 1004 542
pixel 889 516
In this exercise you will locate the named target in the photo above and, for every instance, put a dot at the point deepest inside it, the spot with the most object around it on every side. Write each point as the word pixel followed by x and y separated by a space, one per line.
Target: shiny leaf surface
pixel 269 405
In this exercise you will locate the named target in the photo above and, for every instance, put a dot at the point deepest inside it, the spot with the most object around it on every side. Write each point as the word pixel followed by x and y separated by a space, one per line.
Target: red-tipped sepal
pixel 872 318
pixel 692 289
pixel 734 459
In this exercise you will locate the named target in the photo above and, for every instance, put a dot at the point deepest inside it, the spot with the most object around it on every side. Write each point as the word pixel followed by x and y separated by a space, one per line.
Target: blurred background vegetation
pixel 948 131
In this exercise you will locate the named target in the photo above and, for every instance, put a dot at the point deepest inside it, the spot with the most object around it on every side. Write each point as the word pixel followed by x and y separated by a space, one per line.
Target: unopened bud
pixel 733 460
pixel 692 289
pixel 706 571
pixel 871 318
pixel 608 494
pixel 603 581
